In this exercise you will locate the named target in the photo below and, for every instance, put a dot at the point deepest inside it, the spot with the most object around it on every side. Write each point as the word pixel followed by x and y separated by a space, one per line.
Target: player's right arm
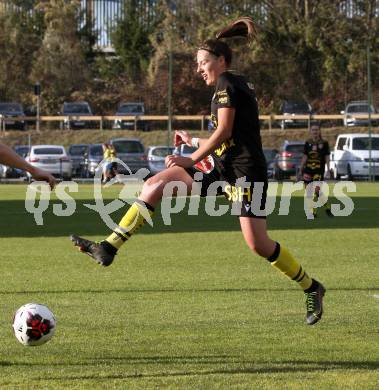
pixel 183 137
pixel 11 158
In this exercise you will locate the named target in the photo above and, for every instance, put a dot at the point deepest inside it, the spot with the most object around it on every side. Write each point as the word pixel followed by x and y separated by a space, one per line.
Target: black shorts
pixel 248 200
pixel 309 176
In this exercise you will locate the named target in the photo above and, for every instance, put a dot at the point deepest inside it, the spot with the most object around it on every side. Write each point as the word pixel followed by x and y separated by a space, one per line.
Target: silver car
pixel 132 152
pixel 51 158
pixel 156 157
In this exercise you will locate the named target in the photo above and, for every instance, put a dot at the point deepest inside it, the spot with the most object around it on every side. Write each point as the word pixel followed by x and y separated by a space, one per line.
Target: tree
pixel 130 39
pixel 21 33
pixel 60 64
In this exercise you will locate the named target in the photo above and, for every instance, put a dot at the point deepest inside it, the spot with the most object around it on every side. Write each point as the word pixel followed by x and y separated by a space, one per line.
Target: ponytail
pixel 242 27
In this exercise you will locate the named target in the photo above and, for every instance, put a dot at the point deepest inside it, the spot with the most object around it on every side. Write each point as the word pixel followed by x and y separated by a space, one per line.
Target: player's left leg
pixel 254 231
pixel 138 213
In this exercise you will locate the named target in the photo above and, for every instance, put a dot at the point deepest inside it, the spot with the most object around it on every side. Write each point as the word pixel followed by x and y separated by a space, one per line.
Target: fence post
pixel 269 123
pixel 202 122
pixel 101 123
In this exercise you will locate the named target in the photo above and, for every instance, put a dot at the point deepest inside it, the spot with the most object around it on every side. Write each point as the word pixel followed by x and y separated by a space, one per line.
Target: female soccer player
pixel 236 148
pixel 316 156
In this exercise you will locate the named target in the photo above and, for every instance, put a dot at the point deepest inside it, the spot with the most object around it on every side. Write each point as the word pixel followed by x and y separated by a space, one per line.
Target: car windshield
pixel 296 148
pixel 360 108
pixel 96 150
pixel 128 147
pixel 130 109
pixel 76 108
pixel 77 150
pixel 10 107
pixel 363 143
pixel 162 152
pixel 48 151
pixel 296 107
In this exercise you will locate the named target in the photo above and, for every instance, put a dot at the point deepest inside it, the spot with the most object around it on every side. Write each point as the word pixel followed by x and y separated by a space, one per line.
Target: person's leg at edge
pixel 135 217
pixel 254 231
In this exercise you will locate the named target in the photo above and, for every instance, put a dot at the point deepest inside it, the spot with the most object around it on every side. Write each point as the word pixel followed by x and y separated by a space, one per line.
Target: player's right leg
pixel 152 193
pixel 254 231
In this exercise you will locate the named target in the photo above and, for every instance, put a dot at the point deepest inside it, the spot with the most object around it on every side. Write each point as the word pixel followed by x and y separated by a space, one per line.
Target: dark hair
pixel 243 27
pixel 315 124
pixel 218 49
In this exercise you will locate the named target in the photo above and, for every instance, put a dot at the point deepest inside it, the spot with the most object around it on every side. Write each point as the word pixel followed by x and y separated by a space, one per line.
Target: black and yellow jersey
pixel 242 154
pixel 316 151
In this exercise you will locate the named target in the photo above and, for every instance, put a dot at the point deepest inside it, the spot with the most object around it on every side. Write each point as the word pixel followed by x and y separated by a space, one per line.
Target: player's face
pixel 315 133
pixel 210 66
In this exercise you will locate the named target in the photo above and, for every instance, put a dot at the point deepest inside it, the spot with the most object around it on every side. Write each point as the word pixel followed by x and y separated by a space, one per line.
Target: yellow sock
pixel 130 223
pixel 283 261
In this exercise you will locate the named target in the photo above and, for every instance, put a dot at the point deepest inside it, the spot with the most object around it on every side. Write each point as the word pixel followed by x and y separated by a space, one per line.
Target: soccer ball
pixel 33 324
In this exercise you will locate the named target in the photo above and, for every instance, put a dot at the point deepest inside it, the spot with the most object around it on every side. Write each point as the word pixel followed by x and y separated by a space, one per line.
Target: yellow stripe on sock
pixel 129 224
pixel 287 264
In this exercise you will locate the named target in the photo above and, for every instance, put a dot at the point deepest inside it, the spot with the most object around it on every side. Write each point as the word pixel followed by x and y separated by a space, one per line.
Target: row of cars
pixel 351 114
pixel 353 156
pixel 350 157
pixel 81 160
pixel 73 110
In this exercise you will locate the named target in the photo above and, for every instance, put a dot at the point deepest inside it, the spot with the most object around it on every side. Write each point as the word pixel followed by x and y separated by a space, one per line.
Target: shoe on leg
pixel 102 252
pixel 313 303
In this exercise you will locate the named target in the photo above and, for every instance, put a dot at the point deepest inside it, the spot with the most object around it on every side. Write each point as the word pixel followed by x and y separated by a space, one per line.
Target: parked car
pixel 77 153
pixel 184 150
pixel 76 109
pixel 156 157
pixel 51 158
pixel 9 111
pixel 292 108
pixel 7 172
pixel 350 156
pixel 132 152
pixel 270 155
pixel 92 158
pixel 288 160
pixel 21 150
pixel 131 109
pixel 358 108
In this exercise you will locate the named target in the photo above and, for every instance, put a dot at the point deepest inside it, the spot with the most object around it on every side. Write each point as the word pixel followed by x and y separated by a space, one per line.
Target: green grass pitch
pixel 188 306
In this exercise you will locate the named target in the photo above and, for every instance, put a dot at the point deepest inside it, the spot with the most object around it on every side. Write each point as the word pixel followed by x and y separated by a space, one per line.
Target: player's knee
pixel 259 248
pixel 152 185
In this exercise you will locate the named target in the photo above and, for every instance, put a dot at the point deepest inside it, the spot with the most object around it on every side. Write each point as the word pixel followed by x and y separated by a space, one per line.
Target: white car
pixel 350 156
pixel 354 110
pixel 51 158
pixel 156 157
pixel 184 150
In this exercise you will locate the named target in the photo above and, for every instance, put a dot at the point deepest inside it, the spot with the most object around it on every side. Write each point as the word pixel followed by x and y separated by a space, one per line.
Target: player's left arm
pixel 208 145
pixel 222 133
pixel 12 159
